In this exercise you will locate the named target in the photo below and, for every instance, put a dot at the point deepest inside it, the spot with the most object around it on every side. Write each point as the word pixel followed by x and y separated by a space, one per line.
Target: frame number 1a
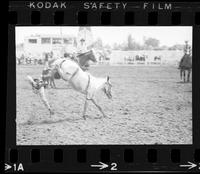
pixel 18 167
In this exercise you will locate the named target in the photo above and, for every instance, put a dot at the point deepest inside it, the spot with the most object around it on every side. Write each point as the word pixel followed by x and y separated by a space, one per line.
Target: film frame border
pixel 128 157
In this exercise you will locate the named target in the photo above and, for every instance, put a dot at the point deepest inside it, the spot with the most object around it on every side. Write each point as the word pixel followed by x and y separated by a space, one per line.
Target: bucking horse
pixel 80 80
pixel 49 74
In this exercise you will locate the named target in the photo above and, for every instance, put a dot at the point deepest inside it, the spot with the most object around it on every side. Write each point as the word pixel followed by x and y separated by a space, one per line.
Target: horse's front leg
pixel 100 109
pixel 181 73
pixel 53 83
pixel 85 108
pixel 48 82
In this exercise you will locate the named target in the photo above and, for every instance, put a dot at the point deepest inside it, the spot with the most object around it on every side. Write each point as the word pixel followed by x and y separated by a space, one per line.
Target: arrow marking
pixel 190 165
pixel 101 165
pixel 7 167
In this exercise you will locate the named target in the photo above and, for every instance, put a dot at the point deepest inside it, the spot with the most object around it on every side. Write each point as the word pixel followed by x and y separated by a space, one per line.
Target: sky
pixel 167 35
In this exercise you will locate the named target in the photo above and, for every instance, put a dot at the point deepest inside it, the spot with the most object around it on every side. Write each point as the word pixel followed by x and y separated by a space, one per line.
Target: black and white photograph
pixel 96 85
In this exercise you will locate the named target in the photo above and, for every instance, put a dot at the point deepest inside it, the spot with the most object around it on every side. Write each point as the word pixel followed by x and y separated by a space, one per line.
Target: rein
pixel 62 63
pixel 77 70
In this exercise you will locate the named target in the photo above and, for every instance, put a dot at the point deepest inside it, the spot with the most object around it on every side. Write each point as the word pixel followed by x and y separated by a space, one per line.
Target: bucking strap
pixel 73 75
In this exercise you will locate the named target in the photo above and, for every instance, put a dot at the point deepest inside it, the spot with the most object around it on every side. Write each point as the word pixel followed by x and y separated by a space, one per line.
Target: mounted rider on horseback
pixel 80 56
pixel 185 61
pixel 185 64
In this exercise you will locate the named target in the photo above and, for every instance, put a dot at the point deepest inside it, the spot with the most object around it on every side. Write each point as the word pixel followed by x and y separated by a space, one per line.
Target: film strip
pixel 103 13
pixel 106 157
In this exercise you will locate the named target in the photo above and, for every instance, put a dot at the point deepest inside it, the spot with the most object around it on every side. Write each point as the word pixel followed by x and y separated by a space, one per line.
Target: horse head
pixel 107 88
pixel 85 57
pixel 92 55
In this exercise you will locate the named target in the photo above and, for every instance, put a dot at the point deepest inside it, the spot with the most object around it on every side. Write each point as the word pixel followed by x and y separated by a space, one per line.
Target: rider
pixel 70 52
pixel 82 49
pixel 38 87
pixel 187 48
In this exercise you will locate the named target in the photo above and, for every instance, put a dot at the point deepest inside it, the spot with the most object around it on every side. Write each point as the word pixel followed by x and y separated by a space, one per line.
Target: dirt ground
pixel 150 105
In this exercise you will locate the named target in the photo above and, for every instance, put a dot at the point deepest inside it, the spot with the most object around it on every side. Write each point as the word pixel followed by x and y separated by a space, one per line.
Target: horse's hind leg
pixel 184 75
pixel 85 108
pixel 53 83
pixel 181 73
pixel 188 76
pixel 100 109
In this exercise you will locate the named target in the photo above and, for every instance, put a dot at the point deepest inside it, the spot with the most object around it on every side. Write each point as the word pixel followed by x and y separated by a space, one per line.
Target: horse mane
pixel 82 54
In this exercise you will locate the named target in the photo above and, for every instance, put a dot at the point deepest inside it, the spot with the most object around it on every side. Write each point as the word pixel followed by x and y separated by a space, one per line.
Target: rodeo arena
pixel 71 92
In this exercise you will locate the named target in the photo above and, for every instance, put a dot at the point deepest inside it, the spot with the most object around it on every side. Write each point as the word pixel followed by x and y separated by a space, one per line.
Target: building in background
pixel 38 46
pixel 19 50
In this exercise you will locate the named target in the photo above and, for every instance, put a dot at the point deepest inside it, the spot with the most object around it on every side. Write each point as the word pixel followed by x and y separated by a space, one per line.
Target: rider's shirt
pixel 82 48
pixel 187 49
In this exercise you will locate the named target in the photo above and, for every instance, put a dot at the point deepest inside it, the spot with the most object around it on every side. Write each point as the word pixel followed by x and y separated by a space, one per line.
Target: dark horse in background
pixel 49 74
pixel 185 66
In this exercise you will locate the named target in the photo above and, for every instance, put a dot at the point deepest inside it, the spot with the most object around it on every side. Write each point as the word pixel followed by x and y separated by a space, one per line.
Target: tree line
pixel 130 44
